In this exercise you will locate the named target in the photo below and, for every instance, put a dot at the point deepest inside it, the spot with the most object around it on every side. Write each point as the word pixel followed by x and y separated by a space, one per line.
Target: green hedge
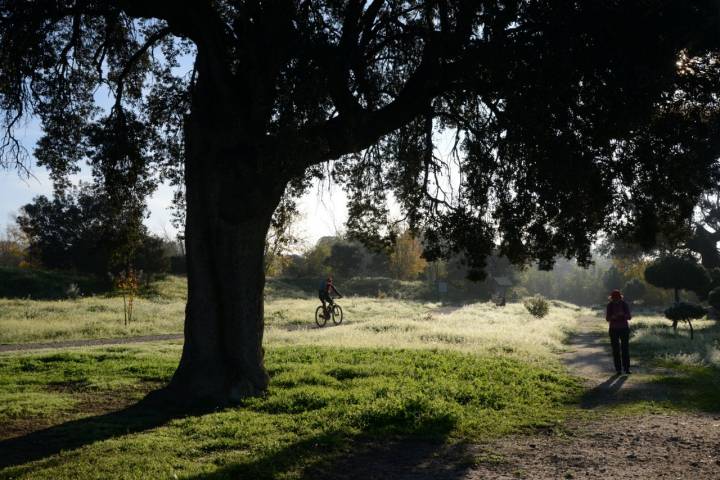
pixel 44 284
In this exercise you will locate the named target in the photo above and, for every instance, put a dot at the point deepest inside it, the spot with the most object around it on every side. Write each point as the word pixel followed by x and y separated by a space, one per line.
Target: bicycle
pixel 332 310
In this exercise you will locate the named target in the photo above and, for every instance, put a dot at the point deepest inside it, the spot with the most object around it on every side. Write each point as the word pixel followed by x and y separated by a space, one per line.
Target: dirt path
pixel 608 445
pixel 17 347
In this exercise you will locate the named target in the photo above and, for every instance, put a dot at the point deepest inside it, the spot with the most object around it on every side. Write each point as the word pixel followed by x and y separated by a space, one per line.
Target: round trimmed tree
pixel 678 273
pixel 714 298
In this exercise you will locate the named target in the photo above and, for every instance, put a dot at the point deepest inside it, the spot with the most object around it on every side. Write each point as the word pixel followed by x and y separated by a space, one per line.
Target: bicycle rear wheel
pixel 320 316
pixel 337 314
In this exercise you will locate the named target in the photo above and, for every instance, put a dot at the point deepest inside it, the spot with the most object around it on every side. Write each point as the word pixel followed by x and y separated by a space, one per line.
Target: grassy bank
pixel 394 369
pixel 322 402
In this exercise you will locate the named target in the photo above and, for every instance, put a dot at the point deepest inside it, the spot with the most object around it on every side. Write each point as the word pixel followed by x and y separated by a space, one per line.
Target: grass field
pixel 321 400
pixel 393 370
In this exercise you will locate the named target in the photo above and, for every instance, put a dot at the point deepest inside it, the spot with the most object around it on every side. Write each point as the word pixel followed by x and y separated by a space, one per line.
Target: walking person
pixel 617 315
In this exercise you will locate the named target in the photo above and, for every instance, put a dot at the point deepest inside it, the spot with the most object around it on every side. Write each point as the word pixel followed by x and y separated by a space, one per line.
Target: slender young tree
pixel 567 118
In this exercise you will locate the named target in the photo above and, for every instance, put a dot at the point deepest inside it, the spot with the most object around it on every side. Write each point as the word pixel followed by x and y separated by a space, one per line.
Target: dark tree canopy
pixel 567 118
pixel 558 108
pixel 79 231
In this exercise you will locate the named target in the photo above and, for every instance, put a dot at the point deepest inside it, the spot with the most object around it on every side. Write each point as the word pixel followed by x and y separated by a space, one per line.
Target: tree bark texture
pixel 231 195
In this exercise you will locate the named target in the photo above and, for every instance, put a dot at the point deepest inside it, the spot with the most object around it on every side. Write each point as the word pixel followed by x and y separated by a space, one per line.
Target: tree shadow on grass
pixel 421 453
pixel 146 414
pixel 695 389
pixel 387 447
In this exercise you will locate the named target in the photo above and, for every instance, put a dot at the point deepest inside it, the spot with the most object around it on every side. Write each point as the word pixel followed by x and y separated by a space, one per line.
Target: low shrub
pixel 538 306
pixel 684 311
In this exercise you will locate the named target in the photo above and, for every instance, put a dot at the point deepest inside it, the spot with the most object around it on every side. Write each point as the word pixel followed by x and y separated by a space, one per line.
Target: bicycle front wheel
pixel 320 316
pixel 337 314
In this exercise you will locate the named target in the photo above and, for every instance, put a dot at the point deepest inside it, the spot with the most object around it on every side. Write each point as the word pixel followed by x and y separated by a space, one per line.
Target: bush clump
pixel 538 306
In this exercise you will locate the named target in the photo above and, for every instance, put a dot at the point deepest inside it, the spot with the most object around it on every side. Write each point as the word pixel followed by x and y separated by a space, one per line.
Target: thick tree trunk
pixel 231 193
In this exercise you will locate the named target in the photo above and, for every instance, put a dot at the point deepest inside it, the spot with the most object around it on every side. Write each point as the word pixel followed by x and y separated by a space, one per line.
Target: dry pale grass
pixel 91 317
pixel 653 336
pixel 289 315
pixel 477 328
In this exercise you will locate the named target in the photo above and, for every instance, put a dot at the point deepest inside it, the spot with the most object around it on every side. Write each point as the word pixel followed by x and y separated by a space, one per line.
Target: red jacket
pixel 617 314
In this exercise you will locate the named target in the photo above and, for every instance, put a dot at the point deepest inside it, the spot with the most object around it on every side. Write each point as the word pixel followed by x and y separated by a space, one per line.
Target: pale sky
pixel 323 209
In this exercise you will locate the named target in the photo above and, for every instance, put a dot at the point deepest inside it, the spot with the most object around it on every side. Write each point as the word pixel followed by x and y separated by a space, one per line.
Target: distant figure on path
pixel 617 315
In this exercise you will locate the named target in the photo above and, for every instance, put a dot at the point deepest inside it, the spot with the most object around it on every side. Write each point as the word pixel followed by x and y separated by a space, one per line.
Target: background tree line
pixel 75 232
pixel 78 231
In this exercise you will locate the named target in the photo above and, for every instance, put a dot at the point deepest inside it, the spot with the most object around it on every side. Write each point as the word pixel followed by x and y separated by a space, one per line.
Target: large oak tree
pixel 567 117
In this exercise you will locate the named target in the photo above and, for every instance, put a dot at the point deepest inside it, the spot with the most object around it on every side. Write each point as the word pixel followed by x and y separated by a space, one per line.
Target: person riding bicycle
pixel 326 288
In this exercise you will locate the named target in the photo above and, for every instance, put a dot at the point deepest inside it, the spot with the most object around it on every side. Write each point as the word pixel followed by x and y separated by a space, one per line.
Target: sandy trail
pixel 21 347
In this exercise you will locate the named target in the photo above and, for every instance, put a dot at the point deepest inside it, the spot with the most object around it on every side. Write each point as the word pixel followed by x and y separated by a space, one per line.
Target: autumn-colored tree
pixel 406 262
pixel 12 247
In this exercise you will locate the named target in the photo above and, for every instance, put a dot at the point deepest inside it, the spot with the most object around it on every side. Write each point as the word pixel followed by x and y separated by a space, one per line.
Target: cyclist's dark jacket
pixel 326 288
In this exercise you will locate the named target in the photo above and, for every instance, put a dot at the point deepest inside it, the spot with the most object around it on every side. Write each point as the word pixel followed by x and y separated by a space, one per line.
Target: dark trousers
pixel 325 297
pixel 620 339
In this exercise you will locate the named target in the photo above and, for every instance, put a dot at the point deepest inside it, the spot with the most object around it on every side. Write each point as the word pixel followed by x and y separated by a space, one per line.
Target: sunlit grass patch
pixel 35 404
pixel 653 338
pixel 289 318
pixel 48 384
pixel 320 401
pixel 479 328
pixel 91 317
